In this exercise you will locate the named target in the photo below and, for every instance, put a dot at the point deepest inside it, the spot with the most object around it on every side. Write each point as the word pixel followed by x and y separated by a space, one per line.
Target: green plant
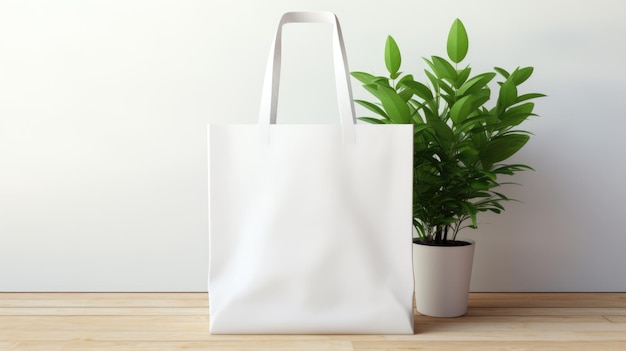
pixel 460 143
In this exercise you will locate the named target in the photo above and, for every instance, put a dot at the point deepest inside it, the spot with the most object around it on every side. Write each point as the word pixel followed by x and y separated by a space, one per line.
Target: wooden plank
pixel 543 311
pixel 314 345
pixel 104 311
pixel 105 323
pixel 616 319
pixel 489 345
pixel 502 337
pixel 200 323
pixel 241 345
pixel 103 296
pixel 100 300
pixel 173 321
pixel 551 300
pixel 334 345
pixel 480 300
pixel 198 332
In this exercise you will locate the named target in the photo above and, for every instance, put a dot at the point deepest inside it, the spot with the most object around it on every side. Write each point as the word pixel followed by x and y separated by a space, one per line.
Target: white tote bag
pixel 310 225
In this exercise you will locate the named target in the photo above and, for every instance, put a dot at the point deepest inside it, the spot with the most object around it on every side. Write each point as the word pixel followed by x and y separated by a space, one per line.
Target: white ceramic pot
pixel 442 278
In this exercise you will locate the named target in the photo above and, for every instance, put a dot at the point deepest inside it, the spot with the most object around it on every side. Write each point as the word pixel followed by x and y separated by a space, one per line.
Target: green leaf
pixel 443 132
pixel 392 56
pixel 481 97
pixel 470 209
pixel 461 109
pixel 372 107
pixel 443 69
pixel 472 122
pixel 520 75
pixel 518 114
pixel 373 120
pixel 475 83
pixel 502 72
pixel 433 80
pixel 530 96
pixel 419 89
pixel 429 111
pixel 462 77
pixel 449 92
pixel 511 169
pixel 417 118
pixel 502 147
pixel 458 42
pixel 393 104
pixel 480 186
pixel 418 128
pixel 406 78
pixel 508 94
pixel 405 94
pixel 469 156
pixel 363 77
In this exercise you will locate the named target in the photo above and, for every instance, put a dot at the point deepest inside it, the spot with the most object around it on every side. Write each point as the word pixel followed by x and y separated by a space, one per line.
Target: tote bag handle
pixel 269 97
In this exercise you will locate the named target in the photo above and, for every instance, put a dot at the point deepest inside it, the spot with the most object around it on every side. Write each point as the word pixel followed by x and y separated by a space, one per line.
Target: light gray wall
pixel 103 107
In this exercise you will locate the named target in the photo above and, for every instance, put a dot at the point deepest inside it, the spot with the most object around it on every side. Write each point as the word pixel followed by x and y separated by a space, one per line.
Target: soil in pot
pixel 442 242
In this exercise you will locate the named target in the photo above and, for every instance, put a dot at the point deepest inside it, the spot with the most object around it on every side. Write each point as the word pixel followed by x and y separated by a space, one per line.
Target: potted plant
pixel 462 138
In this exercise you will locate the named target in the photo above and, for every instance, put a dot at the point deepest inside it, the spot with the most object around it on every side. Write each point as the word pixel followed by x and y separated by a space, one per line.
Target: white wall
pixel 103 106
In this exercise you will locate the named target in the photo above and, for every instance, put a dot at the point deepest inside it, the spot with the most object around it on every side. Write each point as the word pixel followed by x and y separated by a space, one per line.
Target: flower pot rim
pixel 470 241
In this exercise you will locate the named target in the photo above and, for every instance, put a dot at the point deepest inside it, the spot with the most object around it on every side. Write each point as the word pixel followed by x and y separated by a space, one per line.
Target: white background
pixel 103 107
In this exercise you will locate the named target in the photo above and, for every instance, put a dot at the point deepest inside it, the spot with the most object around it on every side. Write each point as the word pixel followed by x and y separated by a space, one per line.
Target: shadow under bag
pixel 310 225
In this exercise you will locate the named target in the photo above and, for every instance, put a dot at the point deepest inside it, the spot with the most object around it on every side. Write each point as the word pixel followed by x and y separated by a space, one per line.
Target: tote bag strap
pixel 269 97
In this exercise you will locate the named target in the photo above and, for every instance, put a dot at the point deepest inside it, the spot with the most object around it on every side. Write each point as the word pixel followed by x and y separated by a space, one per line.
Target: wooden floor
pixel 179 321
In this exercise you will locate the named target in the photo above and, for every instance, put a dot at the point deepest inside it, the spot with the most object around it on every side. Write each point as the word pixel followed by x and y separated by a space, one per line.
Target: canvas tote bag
pixel 310 225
